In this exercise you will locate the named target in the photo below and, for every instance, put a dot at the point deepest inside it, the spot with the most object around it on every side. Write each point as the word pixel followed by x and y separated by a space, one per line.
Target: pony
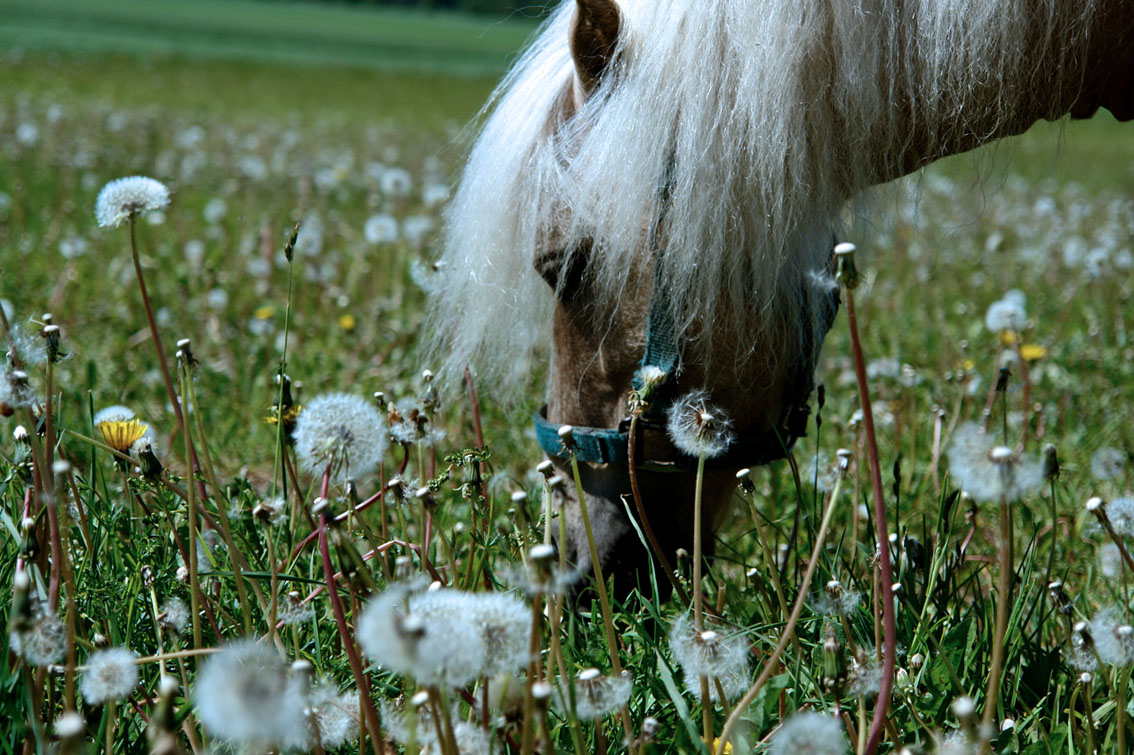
pixel 665 177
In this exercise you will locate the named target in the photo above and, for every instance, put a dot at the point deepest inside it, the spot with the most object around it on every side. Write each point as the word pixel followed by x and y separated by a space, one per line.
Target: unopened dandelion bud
pixel 519 497
pixel 1082 629
pixel 917 660
pixel 1002 379
pixel 425 495
pixel 51 336
pixel 588 674
pixel 542 554
pixel 1059 597
pixel 182 574
pixel 846 272
pixel 546 468
pixel 1007 724
pixel 61 468
pixel 541 692
pixel 744 480
pixel 1050 462
pixel 289 247
pixel 566 435
pixel 147 575
pixel 20 434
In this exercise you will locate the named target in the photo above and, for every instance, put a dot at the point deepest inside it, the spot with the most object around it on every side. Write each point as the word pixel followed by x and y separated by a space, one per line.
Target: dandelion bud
pixel 1083 630
pixel 1059 597
pixel 425 495
pixel 546 468
pixel 1002 379
pixel 147 575
pixel 51 338
pixel 567 437
pixel 917 660
pixel 380 400
pixel 846 272
pixel 20 434
pixel 541 691
pixel 542 554
pixel 519 497
pixel 1050 462
pixel 403 564
pixel 289 247
pixel 1007 724
pixel 744 480
pixel 896 589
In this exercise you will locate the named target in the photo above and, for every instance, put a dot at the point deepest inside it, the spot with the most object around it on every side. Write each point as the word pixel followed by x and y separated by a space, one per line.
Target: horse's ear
pixel 593 37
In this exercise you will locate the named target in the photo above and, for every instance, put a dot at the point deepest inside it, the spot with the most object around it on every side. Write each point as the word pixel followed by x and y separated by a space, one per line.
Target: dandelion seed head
pixel 125 198
pixel 1113 640
pixel 174 615
pixel 425 635
pixel 1107 463
pixel 865 677
pixel 246 695
pixel 721 656
pixel 341 430
pixel 809 734
pixel 1120 511
pixel 380 229
pixel 111 675
pixel 336 715
pixel 40 639
pixel 470 738
pixel 698 428
pixel 595 695
pixel 988 472
pixel 1008 314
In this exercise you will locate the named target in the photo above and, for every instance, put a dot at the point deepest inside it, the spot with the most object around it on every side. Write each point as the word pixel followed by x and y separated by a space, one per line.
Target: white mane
pixel 762 117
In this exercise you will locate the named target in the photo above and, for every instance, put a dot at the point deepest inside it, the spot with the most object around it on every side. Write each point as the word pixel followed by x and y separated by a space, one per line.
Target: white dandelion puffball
pixel 244 694
pixel 722 657
pixel 810 733
pixel 124 198
pixel 698 428
pixel 342 430
pixel 111 675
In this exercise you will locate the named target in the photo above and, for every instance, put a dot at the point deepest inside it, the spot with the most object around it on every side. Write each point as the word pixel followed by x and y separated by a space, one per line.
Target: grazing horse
pixel 659 181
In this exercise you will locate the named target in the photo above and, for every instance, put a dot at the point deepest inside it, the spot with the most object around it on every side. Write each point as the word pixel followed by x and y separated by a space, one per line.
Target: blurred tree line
pixel 528 8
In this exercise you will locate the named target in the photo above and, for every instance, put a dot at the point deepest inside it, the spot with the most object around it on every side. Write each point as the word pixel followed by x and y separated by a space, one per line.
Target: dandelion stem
pixel 890 626
pixel 191 501
pixel 992 694
pixel 698 611
pixel 636 494
pixel 788 631
pixel 600 586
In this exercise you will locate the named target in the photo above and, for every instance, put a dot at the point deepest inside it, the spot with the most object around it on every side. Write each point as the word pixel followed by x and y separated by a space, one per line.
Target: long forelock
pixel 748 117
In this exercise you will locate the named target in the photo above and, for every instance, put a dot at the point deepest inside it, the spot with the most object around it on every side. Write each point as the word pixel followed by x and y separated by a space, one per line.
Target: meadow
pixel 309 154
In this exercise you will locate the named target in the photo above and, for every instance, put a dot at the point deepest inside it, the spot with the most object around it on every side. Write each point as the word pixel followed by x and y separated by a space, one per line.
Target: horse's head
pixel 600 345
pixel 651 221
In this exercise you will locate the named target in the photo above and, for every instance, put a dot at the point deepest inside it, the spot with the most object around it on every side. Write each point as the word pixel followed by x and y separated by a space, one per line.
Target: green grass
pixel 281 31
pixel 288 140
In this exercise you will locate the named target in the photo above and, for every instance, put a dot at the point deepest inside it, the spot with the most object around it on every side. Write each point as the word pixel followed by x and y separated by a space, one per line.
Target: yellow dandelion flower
pixel 263 313
pixel 1008 337
pixel 289 415
pixel 1033 351
pixel 716 743
pixel 347 323
pixel 121 434
pixel 968 365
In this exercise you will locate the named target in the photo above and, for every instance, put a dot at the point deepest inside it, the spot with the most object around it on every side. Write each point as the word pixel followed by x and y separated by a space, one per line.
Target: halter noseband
pixel 655 451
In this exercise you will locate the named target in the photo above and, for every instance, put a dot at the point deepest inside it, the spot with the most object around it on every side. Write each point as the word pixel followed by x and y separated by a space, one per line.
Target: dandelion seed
pixel 125 198
pixel 698 428
pixel 1107 463
pixel 865 677
pixel 721 657
pixel 411 426
pixel 341 430
pixel 596 695
pixel 988 472
pixel 809 733
pixel 246 695
pixel 111 675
